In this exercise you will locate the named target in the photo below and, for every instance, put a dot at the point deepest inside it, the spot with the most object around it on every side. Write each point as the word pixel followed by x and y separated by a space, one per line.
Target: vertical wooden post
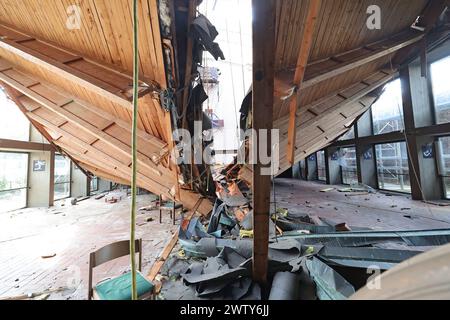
pixel 264 21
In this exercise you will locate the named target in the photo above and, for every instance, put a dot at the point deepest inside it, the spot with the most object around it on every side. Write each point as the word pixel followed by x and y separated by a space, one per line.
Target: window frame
pixel 342 168
pixel 377 170
pixel 27 184
pixel 325 166
pixel 62 183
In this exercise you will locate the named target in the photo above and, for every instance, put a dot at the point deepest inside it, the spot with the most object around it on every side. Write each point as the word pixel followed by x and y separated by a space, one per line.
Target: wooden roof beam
pixel 315 73
pixel 303 145
pixel 107 81
pixel 25 145
pixel 427 21
pixel 302 61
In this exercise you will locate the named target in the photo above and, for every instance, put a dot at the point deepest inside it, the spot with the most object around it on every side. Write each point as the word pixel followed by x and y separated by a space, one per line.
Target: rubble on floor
pixel 310 258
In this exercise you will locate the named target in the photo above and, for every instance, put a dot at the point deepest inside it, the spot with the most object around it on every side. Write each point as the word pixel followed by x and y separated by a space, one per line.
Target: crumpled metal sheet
pixel 195 230
pixel 421 238
pixel 216 274
pixel 285 286
pixel 330 285
pixel 365 257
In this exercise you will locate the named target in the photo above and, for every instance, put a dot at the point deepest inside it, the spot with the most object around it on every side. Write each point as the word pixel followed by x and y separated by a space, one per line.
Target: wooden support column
pixel 303 56
pixel 264 21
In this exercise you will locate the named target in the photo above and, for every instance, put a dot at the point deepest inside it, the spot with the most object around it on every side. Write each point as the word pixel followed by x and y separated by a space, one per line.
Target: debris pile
pixel 310 257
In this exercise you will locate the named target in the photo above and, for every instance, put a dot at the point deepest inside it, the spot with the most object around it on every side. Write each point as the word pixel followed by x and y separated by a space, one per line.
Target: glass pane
pixel 441 89
pixel 62 191
pixel 13 200
pixel 94 184
pixel 348 165
pixel 387 112
pixel 62 177
pixel 13 181
pixel 392 166
pixel 349 135
pixel 321 167
pixel 13 170
pixel 444 163
pixel 13 124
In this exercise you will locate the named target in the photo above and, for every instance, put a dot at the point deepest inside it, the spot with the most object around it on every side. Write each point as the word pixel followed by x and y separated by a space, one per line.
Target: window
pixel 62 177
pixel 13 181
pixel 321 166
pixel 349 135
pixel 94 184
pixel 13 124
pixel 444 163
pixel 392 167
pixel 387 112
pixel 348 165
pixel 441 89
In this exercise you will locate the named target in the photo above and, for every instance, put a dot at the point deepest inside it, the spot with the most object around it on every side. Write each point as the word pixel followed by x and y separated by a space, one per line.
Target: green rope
pixel 134 151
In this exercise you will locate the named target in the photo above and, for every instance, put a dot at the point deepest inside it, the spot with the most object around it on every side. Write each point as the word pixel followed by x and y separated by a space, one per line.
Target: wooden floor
pixel 378 211
pixel 71 232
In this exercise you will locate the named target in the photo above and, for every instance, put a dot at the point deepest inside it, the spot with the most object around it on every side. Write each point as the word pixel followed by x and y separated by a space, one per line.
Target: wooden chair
pixel 121 283
pixel 172 207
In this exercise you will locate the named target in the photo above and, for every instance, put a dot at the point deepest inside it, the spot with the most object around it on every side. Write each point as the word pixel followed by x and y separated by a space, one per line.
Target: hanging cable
pixel 134 151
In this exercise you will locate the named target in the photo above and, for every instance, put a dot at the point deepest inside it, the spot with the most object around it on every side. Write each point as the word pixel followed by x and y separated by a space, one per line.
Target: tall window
pixel 387 112
pixel 62 177
pixel 13 124
pixel 444 163
pixel 13 181
pixel 321 166
pixel 94 184
pixel 392 166
pixel 349 135
pixel 348 165
pixel 440 71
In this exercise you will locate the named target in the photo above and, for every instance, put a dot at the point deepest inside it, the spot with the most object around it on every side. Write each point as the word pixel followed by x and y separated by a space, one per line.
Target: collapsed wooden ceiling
pixel 75 84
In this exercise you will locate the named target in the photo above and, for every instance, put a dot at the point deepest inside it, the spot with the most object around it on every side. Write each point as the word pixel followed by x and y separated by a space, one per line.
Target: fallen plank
pixel 157 266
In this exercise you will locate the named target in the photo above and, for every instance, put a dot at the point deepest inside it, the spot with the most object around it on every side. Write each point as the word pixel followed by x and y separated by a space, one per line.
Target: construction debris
pixel 306 253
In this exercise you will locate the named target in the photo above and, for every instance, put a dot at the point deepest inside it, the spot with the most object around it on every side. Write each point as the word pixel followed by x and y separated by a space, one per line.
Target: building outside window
pixel 387 112
pixel 392 167
pixel 440 71
pixel 13 181
pixel 321 166
pixel 443 151
pixel 348 165
pixel 94 184
pixel 62 177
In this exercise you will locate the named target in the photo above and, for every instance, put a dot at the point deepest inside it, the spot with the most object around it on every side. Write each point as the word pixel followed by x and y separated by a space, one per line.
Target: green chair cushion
pixel 120 288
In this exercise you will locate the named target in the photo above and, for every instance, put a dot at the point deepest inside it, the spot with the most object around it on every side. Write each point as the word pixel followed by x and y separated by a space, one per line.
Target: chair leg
pixel 160 211
pixel 174 212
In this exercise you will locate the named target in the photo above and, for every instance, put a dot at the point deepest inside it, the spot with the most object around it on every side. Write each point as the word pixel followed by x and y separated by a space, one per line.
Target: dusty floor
pixel 379 211
pixel 71 233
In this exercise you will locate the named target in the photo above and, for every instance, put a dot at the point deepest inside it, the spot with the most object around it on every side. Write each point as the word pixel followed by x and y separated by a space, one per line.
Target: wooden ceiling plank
pixel 119 95
pixel 81 123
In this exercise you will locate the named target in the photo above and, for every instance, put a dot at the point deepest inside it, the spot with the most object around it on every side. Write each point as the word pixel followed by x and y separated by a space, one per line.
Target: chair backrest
pixel 111 252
